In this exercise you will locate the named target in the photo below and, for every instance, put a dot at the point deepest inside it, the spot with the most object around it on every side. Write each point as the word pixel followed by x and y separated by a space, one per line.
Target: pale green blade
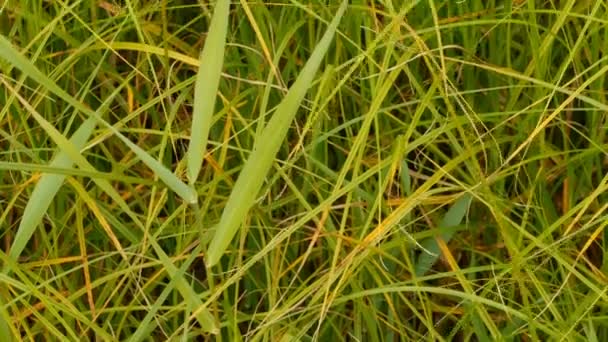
pixel 431 250
pixel 45 190
pixel 5 330
pixel 265 149
pixel 205 88
pixel 49 184
pixel 205 318
pixel 8 52
pixel 177 281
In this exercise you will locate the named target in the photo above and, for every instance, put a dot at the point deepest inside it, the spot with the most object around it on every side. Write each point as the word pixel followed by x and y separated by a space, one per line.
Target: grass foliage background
pixel 409 170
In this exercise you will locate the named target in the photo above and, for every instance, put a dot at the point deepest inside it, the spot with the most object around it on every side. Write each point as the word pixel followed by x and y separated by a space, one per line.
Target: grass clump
pixel 364 170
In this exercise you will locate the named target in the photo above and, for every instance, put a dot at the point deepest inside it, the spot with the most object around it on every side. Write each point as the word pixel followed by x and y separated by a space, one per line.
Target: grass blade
pixel 184 191
pixel 204 317
pixel 205 88
pixel 49 184
pixel 266 147
pixel 430 246
pixel 5 318
pixel 8 52
pixel 45 190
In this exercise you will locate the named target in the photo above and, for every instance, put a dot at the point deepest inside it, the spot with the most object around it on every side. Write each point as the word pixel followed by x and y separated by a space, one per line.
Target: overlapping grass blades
pixel 266 147
pixel 9 53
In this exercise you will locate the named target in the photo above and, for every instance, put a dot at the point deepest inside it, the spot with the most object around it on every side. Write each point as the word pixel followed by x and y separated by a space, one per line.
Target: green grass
pixel 303 170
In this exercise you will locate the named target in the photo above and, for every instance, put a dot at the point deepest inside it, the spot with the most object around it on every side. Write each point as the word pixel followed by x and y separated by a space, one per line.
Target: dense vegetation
pixel 304 170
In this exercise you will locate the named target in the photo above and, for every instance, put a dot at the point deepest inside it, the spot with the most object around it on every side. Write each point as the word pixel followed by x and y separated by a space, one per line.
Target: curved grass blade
pixel 205 88
pixel 431 249
pixel 9 53
pixel 266 147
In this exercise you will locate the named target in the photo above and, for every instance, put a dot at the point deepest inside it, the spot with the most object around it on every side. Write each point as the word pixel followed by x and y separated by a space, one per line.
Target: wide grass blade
pixel 431 249
pixel 205 88
pixel 266 147
pixel 9 53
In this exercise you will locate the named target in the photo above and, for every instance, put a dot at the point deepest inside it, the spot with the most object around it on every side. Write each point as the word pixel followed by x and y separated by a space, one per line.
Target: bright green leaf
pixel 205 89
pixel 265 149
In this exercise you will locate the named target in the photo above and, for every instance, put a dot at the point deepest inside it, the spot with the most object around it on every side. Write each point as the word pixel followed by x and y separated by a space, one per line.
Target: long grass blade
pixel 265 149
pixel 205 88
pixel 204 317
pixel 49 183
pixel 45 190
pixel 9 53
pixel 430 246
pixel 5 318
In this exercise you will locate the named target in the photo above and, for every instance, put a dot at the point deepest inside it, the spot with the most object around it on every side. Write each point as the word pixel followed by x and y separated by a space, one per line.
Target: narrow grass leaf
pixel 45 190
pixel 5 318
pixel 8 52
pixel 49 184
pixel 205 88
pixel 430 246
pixel 148 323
pixel 266 147
pixel 204 317
pixel 55 170
pixel 174 183
pixel 406 180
